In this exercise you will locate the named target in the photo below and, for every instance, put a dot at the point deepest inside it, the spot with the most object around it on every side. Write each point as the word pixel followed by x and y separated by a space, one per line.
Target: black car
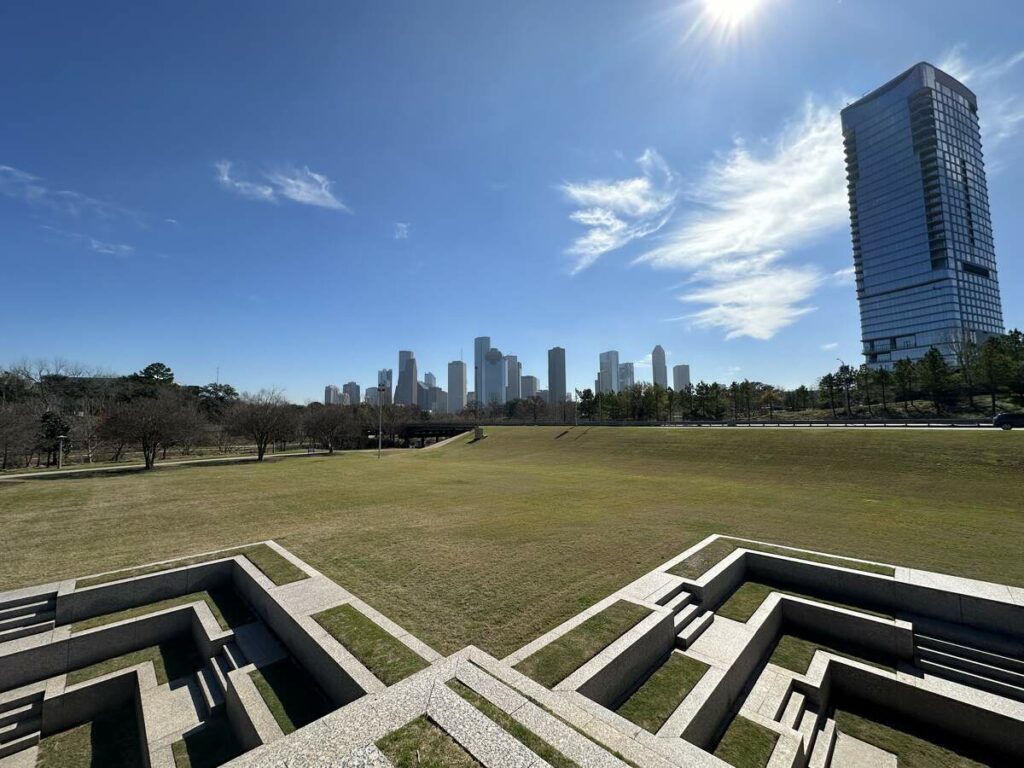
pixel 1009 420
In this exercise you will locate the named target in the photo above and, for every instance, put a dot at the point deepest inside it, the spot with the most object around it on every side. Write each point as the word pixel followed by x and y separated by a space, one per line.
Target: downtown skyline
pixel 596 181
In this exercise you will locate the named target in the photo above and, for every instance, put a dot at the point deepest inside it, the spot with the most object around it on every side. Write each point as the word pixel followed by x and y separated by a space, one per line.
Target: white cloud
pixel 35 191
pixel 753 205
pixel 618 212
pixel 300 185
pixel 830 346
pixel 402 230
pixel 1000 111
pixel 92 243
pixel 844 276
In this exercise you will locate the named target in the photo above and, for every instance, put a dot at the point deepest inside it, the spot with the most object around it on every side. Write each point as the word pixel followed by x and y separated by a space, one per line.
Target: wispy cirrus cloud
pixel 36 191
pixel 1000 109
pixel 300 185
pixel 92 243
pixel 750 207
pixel 402 230
pixel 617 212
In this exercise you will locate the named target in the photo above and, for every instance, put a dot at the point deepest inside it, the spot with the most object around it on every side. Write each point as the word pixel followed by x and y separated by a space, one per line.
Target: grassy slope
pixel 655 701
pixel 111 738
pixel 495 543
pixel 387 657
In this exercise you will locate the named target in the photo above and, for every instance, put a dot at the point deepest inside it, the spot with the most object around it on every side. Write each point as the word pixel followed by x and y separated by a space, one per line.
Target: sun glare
pixel 729 13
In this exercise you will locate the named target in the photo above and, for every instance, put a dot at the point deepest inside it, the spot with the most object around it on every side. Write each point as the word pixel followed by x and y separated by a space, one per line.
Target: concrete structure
pixel 659 370
pixel 352 390
pixel 331 396
pixel 923 252
pixel 456 386
pixel 481 345
pixel 407 391
pixel 529 386
pixel 556 375
pixel 384 379
pixel 626 377
pixel 495 377
pixel 513 371
pixel 941 652
pixel 608 373
pixel 680 377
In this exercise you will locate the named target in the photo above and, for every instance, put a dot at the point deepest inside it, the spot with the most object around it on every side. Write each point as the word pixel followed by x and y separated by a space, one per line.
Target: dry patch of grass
pixel 172 660
pixel 227 607
pixel 422 744
pixel 747 598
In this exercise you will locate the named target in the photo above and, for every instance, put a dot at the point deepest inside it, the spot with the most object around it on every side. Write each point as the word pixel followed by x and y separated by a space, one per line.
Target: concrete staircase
pixel 688 618
pixel 21 718
pixel 213 677
pixel 823 745
pixel 25 616
pixel 970 665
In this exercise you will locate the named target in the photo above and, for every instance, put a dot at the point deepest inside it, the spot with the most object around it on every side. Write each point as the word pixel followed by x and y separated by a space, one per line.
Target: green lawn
pixel 291 694
pixel 796 653
pixel 422 744
pixel 387 657
pixel 746 744
pixel 172 659
pixel 747 598
pixel 656 700
pixel 913 747
pixel 111 738
pixel 225 604
pixel 496 542
pixel 561 657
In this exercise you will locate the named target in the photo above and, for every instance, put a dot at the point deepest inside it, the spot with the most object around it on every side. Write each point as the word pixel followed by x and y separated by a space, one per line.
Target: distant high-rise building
pixel 481 345
pixel 456 386
pixel 384 380
pixel 371 396
pixel 406 393
pixel 556 375
pixel 626 378
pixel 608 373
pixel 422 396
pixel 495 377
pixel 437 400
pixel 346 399
pixel 680 377
pixel 352 390
pixel 660 371
pixel 923 255
pixel 471 398
pixel 331 396
pixel 429 379
pixel 513 370
pixel 528 387
pixel 544 395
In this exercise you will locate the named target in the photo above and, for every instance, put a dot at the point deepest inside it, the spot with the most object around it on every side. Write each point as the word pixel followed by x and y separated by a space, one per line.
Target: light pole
pixel 60 450
pixel 380 415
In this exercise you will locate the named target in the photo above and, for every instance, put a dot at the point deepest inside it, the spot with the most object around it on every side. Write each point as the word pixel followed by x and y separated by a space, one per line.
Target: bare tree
pixel 264 416
pixel 151 423
pixel 328 424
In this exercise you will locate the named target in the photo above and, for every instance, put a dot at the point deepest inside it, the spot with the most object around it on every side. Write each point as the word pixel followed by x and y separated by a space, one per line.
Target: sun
pixel 729 13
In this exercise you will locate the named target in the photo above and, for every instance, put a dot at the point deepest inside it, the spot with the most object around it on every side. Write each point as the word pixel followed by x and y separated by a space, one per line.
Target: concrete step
pixel 794 710
pixel 27 608
pixel 807 727
pixel 680 601
pixel 958 675
pixel 234 656
pixel 17 745
pixel 21 712
pixel 15 602
pixel 972 666
pixel 213 695
pixel 31 629
pixel 693 630
pixel 969 652
pixel 16 730
pixel 685 616
pixel 824 745
pixel 220 668
pixel 17 697
pixel 26 619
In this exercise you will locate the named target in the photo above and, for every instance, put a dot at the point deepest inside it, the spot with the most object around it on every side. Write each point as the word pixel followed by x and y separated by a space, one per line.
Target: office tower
pixel 626 379
pixel 429 380
pixel 556 375
pixel 923 254
pixel 422 396
pixel 481 345
pixel 660 372
pixel 346 399
pixel 513 370
pixel 331 396
pixel 680 377
pixel 528 387
pixel 456 386
pixel 545 395
pixel 495 377
pixel 437 400
pixel 608 373
pixel 352 390
pixel 471 398
pixel 384 380
pixel 406 393
pixel 371 396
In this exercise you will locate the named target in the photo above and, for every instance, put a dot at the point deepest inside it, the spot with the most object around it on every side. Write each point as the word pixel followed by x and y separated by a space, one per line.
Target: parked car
pixel 1009 420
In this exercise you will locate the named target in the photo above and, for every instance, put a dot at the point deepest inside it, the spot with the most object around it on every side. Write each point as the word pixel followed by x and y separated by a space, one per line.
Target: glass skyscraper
pixel 922 235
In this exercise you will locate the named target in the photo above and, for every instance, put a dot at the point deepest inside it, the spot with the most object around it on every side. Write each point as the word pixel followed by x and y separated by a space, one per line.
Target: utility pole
pixel 380 415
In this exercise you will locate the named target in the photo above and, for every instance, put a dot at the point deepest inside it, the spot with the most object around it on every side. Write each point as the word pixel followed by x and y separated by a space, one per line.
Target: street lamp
pixel 60 450
pixel 380 414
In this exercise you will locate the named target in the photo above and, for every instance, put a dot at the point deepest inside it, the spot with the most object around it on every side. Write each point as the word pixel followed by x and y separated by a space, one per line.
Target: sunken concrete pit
pixel 734 652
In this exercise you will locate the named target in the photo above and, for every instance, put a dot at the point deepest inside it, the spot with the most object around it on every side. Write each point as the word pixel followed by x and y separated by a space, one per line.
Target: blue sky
pixel 292 192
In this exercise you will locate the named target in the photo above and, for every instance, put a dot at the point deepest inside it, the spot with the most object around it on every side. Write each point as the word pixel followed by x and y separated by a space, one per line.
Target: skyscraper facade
pixel 407 391
pixel 680 377
pixel 608 372
pixel 513 370
pixel 660 371
pixel 456 386
pixel 495 377
pixel 384 379
pixel 331 396
pixel 429 380
pixel 923 253
pixel 352 390
pixel 626 376
pixel 481 344
pixel 556 375
pixel 528 387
